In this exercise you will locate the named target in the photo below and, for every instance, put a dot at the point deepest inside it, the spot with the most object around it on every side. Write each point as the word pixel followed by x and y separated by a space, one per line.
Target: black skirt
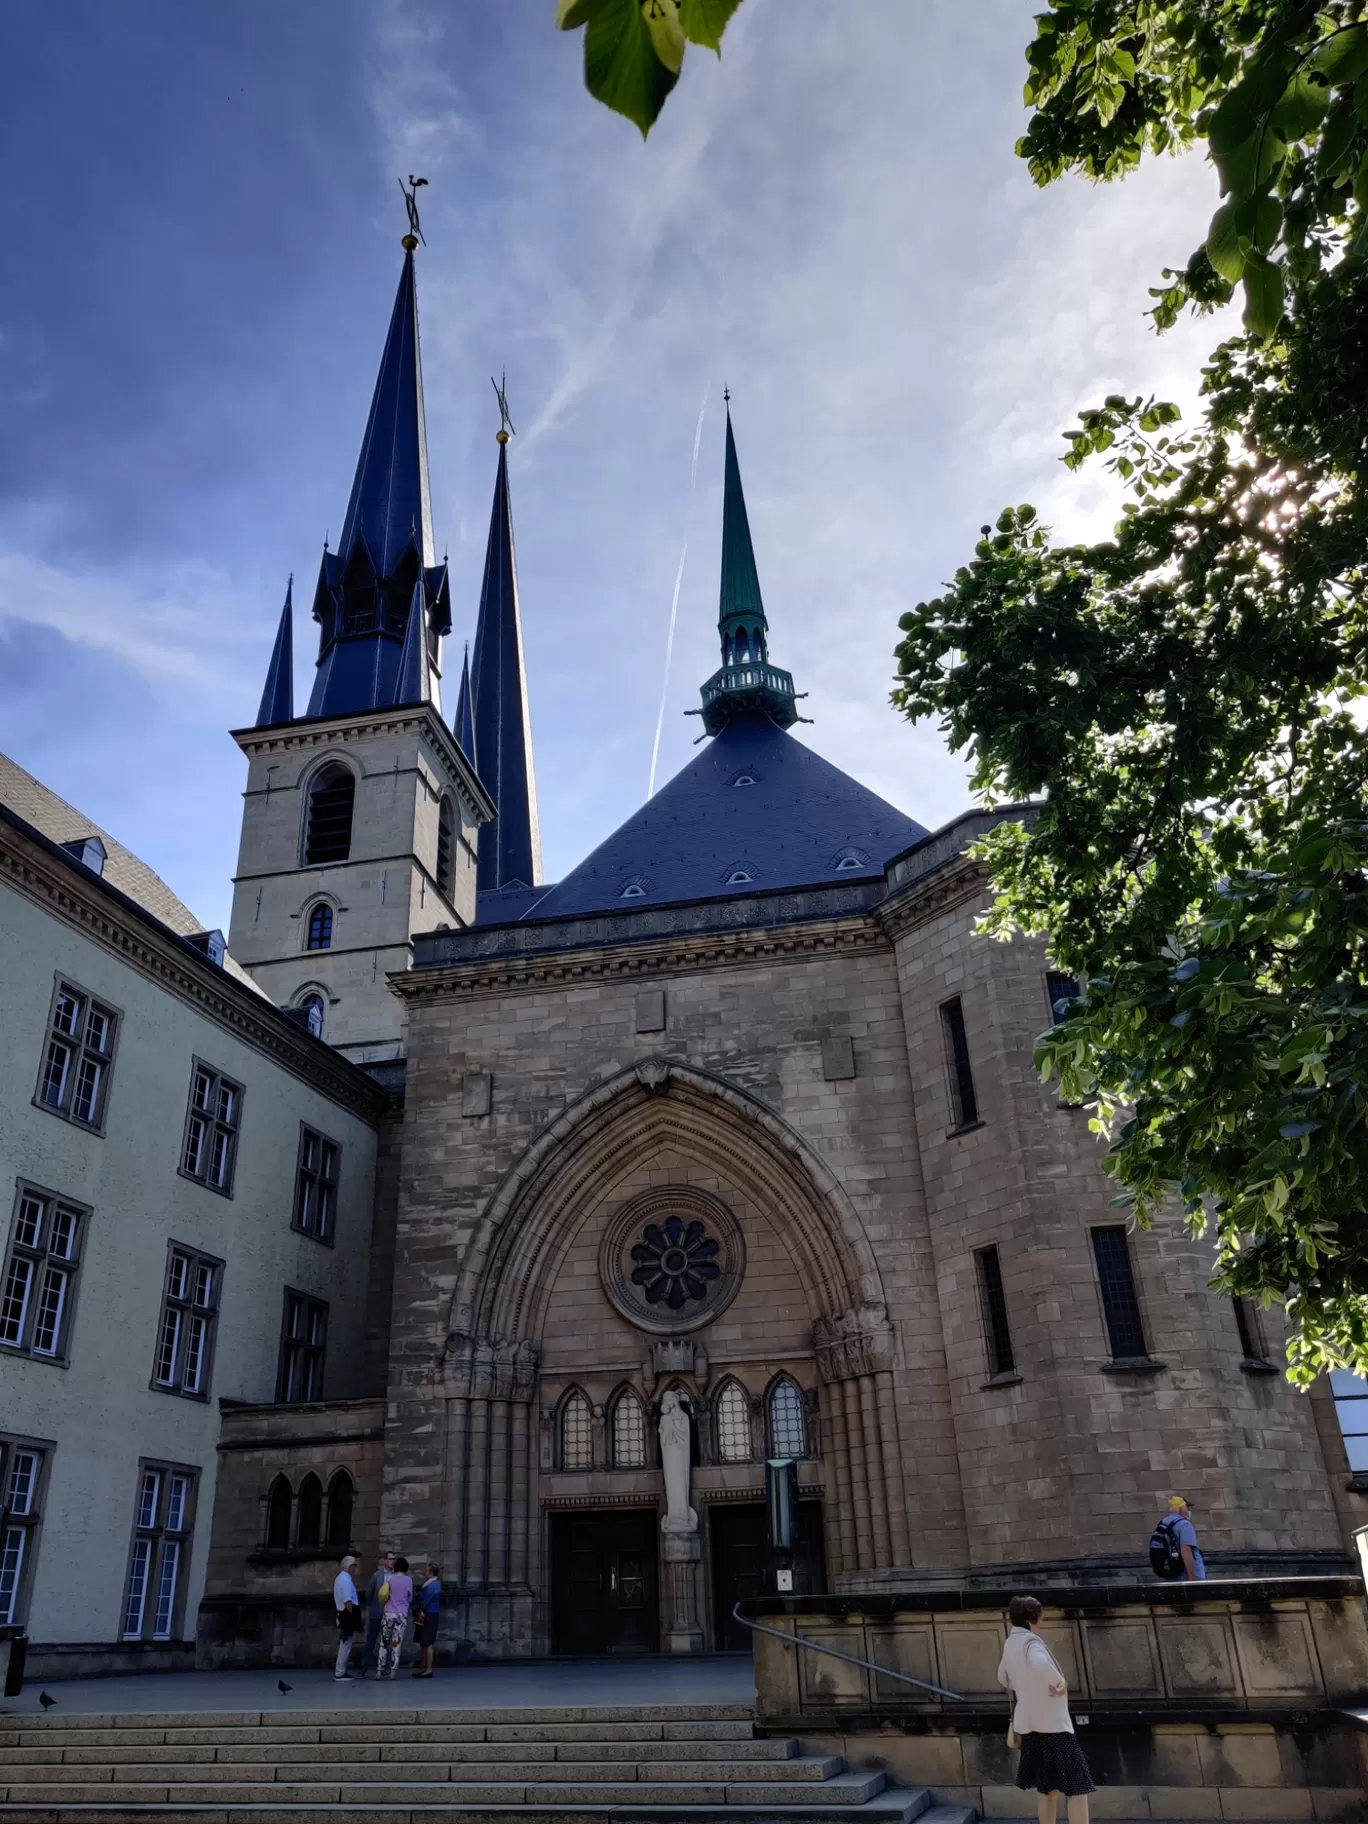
pixel 1053 1763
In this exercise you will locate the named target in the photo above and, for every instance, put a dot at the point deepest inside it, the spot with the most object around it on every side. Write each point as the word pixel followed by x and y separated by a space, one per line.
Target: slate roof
pixel 61 822
pixel 795 825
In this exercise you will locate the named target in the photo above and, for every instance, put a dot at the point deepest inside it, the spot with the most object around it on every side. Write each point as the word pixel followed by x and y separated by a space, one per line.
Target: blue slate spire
pixel 510 846
pixel 413 684
pixel 366 587
pixel 464 727
pixel 747 680
pixel 277 699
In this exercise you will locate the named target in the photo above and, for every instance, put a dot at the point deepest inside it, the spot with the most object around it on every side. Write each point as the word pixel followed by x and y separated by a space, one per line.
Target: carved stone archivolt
pixel 489 1367
pixel 672 1260
pixel 851 1343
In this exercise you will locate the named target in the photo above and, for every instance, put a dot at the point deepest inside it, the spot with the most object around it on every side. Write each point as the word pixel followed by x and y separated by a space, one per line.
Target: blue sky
pixel 201 220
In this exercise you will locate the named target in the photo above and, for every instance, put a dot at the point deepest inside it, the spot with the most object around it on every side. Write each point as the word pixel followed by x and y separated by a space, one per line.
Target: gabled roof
pixel 757 809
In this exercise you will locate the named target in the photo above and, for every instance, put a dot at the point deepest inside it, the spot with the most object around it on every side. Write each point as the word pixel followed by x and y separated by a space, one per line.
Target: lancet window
pixel 787 1426
pixel 576 1433
pixel 629 1432
pixel 732 1416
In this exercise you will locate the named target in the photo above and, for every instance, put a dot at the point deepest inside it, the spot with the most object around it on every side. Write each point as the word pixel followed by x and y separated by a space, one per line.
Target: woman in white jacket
pixel 1051 1759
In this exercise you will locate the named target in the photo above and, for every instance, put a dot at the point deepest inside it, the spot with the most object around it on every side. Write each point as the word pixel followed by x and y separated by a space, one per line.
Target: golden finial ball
pixel 501 436
pixel 409 243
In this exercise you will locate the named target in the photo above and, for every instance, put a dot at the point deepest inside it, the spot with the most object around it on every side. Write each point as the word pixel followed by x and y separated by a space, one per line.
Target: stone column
pixel 683 1557
pixel 853 1351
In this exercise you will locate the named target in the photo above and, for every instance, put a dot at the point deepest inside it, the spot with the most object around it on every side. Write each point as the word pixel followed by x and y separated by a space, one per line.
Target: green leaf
pixel 1361 183
pixel 1337 140
pixel 623 65
pixel 1245 108
pixel 1223 242
pixel 1301 107
pixel 1253 163
pixel 1344 56
pixel 573 13
pixel 704 21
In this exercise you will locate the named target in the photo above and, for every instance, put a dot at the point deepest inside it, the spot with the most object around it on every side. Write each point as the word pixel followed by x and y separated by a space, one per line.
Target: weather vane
pixel 415 233
pixel 505 430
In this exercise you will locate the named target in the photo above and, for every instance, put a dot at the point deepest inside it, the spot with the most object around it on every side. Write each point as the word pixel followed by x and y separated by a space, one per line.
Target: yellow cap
pixel 1177 1500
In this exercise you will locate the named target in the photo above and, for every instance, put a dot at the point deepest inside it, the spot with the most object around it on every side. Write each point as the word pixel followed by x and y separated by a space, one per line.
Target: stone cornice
pixel 963 880
pixel 36 868
pixel 480 976
pixel 330 731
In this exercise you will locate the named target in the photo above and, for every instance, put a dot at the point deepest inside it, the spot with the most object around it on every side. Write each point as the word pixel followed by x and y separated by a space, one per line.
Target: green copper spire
pixel 747 680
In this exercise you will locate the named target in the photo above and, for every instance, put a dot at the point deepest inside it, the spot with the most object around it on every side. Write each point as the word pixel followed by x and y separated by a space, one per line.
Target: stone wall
pixel 1190 1701
pixel 265 1606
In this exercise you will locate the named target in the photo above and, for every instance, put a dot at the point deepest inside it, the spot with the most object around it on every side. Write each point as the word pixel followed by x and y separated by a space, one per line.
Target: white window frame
pixel 566 1458
pixel 724 1425
pixel 317 1176
pixel 213 1119
pixel 786 1382
pixel 187 1322
pixel 78 1056
pixel 40 1274
pixel 24 1464
pixel 628 1415
pixel 159 1554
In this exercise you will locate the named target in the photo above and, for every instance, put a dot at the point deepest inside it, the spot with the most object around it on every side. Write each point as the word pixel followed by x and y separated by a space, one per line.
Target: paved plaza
pixel 537 1685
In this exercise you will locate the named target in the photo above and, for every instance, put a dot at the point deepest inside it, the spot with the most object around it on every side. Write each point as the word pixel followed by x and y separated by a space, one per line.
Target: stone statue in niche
pixel 674 1457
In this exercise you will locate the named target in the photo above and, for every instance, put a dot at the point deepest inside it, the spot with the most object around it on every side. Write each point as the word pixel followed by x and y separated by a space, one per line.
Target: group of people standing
pixel 390 1601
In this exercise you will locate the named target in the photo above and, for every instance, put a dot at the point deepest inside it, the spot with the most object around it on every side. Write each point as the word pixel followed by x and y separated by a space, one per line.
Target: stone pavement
pixel 528 1684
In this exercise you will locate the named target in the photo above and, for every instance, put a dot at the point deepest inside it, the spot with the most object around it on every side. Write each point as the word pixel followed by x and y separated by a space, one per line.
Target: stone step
pixel 345 1767
pixel 428 1749
pixel 894 1805
pixel 530 1715
pixel 844 1788
pixel 445 1726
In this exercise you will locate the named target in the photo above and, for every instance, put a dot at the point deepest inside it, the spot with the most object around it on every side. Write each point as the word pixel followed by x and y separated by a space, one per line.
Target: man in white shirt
pixel 348 1606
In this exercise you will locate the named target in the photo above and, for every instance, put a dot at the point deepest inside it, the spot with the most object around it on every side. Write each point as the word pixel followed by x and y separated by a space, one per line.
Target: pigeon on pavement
pixel 282 1686
pixel 47 1702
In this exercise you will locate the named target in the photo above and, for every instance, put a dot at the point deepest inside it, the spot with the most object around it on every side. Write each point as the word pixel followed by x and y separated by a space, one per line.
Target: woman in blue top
pixel 431 1597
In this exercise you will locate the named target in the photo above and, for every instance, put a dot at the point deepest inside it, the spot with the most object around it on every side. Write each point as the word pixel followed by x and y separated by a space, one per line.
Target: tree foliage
pixel 1184 699
pixel 634 49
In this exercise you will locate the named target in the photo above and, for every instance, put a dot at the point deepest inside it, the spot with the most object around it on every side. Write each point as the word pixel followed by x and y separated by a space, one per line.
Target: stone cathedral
pixel 722 1156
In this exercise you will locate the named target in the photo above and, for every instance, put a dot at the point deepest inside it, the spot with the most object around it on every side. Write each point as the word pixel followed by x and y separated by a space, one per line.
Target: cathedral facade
pixel 737 1121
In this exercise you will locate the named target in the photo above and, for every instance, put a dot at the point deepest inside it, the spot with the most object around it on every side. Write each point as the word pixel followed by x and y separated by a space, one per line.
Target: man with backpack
pixel 1174 1552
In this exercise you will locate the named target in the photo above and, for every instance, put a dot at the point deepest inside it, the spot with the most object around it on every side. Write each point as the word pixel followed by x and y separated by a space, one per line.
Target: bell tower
pixel 361 817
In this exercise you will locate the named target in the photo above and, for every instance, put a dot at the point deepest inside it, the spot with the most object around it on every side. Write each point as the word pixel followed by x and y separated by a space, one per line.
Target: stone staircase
pixel 387 1766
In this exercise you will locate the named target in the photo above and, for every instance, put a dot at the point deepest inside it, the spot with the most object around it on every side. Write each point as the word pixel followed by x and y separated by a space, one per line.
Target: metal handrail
pixel 801 1640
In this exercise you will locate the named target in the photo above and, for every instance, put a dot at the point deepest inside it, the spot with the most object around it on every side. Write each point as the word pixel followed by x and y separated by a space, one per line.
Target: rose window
pixel 676 1263
pixel 672 1259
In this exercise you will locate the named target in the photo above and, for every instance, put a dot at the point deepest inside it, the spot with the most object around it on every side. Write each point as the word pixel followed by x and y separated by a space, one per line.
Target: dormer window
pixel 744 779
pixel 632 891
pixel 739 877
pixel 847 864
pixel 850 861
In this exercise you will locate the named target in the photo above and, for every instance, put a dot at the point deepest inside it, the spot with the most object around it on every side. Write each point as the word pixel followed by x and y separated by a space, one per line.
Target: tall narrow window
pixel 279 1501
pixel 1250 1326
pixel 963 1101
pixel 309 1514
pixel 302 1346
pixel 576 1434
pixel 787 1429
pixel 185 1335
pixel 163 1522
pixel 1120 1301
pixel 993 1303
pixel 21 1481
pixel 312 1005
pixel 446 847
pixel 629 1433
pixel 74 1080
pixel 1059 991
pixel 315 1204
pixel 209 1149
pixel 341 1497
pixel 733 1425
pixel 38 1287
pixel 320 927
pixel 332 797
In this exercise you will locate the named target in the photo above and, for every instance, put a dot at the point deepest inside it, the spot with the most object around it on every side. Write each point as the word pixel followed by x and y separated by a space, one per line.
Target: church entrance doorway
pixel 743 1566
pixel 603 1582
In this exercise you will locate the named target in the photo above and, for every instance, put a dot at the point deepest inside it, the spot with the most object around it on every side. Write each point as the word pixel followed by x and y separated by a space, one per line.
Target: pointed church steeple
pixel 277 699
pixel 414 683
pixel 747 680
pixel 464 726
pixel 510 846
pixel 366 587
